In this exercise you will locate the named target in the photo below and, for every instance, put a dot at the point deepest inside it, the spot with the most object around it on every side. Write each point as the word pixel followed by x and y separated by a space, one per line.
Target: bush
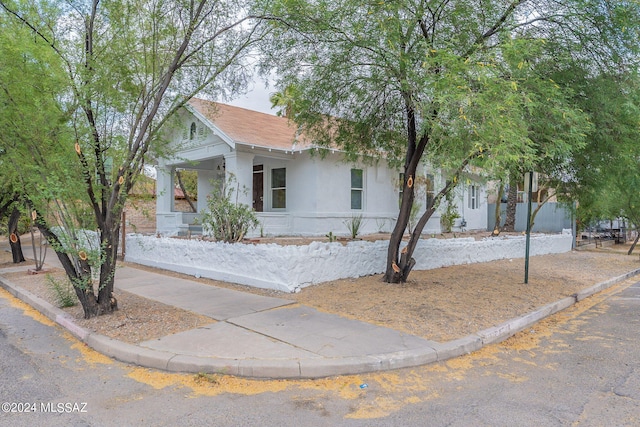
pixel 354 224
pixel 226 219
pixel 448 218
pixel 63 292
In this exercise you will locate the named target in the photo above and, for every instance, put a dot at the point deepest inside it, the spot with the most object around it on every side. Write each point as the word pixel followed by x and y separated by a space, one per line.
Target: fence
pixel 552 217
pixel 288 268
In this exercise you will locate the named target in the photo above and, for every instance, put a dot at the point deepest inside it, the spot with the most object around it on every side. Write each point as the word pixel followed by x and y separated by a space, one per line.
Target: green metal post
pixel 526 254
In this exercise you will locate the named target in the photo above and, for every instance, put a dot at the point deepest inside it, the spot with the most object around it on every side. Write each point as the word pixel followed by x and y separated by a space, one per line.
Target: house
pixel 293 189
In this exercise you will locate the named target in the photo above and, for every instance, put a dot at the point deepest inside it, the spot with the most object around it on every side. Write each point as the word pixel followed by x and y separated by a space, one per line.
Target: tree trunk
pixel 109 244
pixel 397 273
pixel 393 273
pixel 38 255
pixel 635 242
pixel 498 211
pixel 401 262
pixel 512 203
pixel 184 191
pixel 14 238
pixel 79 273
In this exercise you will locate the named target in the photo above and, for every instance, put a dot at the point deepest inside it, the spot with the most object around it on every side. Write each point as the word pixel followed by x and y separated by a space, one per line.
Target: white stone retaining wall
pixel 288 268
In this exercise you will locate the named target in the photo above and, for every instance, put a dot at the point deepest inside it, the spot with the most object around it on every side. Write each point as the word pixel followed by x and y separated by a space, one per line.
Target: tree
pixel 498 210
pixel 14 236
pixel 512 202
pixel 30 120
pixel 130 65
pixel 285 100
pixel 9 204
pixel 606 173
pixel 557 128
pixel 188 183
pixel 601 69
pixel 451 83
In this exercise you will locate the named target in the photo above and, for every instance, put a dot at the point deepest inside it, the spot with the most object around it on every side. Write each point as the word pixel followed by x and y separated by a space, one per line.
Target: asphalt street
pixel 580 367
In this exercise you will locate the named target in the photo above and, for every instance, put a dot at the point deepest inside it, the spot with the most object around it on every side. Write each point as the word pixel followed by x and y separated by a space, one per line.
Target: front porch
pixel 189 224
pixel 253 179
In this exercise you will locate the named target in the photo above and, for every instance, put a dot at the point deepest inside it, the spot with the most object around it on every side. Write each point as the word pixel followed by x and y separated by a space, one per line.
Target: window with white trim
pixel 357 189
pixel 474 197
pixel 279 188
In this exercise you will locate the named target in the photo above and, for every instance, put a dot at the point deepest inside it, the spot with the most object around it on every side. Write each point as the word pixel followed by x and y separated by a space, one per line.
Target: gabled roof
pixel 251 128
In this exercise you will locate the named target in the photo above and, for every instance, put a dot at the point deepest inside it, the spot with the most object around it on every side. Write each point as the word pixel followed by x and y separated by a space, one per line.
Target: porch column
pixel 240 165
pixel 164 189
pixel 206 181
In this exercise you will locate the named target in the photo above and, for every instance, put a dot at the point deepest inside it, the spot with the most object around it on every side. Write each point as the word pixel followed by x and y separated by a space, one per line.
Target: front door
pixel 258 190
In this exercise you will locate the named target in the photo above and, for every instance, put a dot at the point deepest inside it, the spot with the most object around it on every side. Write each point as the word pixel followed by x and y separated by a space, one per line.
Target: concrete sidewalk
pixel 265 337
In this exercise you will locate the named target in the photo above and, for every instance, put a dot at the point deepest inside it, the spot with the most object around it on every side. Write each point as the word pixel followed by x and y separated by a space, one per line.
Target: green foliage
pixel 459 84
pixel 62 292
pixel 189 179
pixel 332 237
pixel 227 219
pixel 466 103
pixel 449 216
pixel 285 100
pixel 606 172
pixel 24 224
pixel 354 224
pixel 82 122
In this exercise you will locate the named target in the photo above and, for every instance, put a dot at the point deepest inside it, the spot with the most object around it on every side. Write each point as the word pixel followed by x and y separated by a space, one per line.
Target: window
pixel 192 131
pixel 356 188
pixel 279 188
pixel 429 189
pixel 474 197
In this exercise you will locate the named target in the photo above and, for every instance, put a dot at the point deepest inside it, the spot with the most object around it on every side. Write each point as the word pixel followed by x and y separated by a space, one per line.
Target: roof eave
pixel 213 128
pixel 292 149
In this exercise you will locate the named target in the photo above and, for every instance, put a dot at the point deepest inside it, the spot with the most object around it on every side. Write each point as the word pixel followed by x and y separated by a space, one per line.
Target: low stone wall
pixel 288 268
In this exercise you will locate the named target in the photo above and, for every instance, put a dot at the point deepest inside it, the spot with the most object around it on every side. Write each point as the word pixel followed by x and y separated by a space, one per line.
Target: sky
pixel 257 98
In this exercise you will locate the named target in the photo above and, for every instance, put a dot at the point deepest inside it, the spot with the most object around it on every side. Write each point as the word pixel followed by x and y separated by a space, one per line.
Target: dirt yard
pixel 440 305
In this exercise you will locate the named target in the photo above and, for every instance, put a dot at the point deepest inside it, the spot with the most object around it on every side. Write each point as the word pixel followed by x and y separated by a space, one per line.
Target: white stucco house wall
pixel 294 190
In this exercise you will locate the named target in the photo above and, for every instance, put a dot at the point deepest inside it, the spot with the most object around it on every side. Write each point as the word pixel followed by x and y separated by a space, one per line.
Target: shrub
pixel 354 224
pixel 227 219
pixel 63 292
pixel 448 218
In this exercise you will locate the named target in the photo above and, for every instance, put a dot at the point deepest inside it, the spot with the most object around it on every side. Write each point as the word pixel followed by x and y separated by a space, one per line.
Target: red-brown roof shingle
pixel 249 127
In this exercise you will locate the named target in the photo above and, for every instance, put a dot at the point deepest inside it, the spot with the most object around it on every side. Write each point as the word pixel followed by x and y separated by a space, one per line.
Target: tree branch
pixel 479 41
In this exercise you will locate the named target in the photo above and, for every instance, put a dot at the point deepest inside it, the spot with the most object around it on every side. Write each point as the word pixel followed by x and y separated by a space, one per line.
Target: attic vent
pixel 192 131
